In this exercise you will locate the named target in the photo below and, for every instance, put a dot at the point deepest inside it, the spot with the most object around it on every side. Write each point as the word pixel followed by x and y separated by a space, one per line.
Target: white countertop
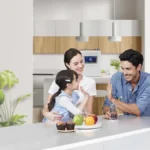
pixel 103 79
pixel 42 136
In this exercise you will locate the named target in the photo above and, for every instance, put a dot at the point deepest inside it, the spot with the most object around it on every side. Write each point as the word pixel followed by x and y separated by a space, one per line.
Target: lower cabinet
pixel 99 100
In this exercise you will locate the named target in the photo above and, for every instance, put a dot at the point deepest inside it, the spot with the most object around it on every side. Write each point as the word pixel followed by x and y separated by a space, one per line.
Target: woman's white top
pixel 87 83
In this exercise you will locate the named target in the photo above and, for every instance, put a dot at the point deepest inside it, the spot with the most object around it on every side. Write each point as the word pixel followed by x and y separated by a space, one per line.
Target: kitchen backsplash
pixel 55 61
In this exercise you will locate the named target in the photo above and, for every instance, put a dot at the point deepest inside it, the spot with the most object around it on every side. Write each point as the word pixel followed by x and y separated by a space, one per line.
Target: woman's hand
pixel 54 116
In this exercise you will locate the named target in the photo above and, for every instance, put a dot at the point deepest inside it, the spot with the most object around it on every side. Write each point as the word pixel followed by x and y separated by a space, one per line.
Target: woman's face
pixel 76 64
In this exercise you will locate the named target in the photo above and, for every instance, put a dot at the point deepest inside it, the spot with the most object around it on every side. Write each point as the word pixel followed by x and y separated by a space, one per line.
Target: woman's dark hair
pixel 69 54
pixel 132 56
pixel 62 78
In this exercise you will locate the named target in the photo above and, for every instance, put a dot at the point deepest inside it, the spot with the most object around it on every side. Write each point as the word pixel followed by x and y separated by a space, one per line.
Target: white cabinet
pixel 44 27
pixel 104 27
pixel 90 27
pixel 67 28
pixel 97 28
pixel 130 27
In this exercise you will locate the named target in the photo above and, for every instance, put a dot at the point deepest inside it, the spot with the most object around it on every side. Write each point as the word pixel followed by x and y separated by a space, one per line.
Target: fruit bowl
pixel 86 127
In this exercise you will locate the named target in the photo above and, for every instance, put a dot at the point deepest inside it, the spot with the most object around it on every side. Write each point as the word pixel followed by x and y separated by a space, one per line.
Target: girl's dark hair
pixel 132 56
pixel 69 54
pixel 62 78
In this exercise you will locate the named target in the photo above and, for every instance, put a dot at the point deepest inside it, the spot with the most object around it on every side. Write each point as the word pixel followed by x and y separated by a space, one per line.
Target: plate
pixel 66 131
pixel 86 127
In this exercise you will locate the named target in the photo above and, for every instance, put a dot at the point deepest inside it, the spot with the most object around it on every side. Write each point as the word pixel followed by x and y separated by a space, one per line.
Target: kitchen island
pixel 40 136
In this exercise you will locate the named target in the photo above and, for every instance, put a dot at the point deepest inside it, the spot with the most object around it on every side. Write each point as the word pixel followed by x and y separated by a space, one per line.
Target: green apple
pixel 78 119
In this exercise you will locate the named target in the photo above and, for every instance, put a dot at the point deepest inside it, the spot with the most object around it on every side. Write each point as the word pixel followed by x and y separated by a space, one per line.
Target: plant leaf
pixel 15 118
pixel 2 97
pixel 23 97
pixel 10 78
pixel 3 81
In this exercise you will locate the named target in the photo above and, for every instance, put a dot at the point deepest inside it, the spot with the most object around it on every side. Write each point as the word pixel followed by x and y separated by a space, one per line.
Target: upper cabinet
pixel 64 43
pixel 131 42
pixel 67 28
pixel 93 43
pixel 107 47
pixel 90 27
pixel 44 27
pixel 44 45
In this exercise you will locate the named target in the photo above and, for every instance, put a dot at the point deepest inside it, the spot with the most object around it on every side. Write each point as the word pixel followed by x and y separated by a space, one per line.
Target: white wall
pixel 16 30
pixel 45 62
pixel 84 9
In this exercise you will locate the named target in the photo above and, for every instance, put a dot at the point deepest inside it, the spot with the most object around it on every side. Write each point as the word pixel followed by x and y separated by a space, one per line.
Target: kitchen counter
pixel 103 79
pixel 43 136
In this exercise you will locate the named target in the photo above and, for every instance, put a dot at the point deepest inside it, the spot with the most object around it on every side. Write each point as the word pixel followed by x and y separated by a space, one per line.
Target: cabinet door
pixel 91 44
pixel 43 45
pixel 131 42
pixel 108 47
pixel 64 43
pixel 99 101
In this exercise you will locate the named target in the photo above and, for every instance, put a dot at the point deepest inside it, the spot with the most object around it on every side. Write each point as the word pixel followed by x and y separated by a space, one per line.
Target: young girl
pixel 73 60
pixel 64 101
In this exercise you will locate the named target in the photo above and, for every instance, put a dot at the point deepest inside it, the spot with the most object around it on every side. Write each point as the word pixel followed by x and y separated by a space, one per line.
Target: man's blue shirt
pixel 121 89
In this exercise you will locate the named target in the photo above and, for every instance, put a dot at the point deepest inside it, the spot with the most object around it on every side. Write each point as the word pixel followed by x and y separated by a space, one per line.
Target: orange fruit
pixel 89 120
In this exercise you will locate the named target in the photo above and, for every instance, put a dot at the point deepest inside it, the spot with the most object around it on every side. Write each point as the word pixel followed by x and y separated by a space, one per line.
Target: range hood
pixel 114 37
pixel 82 38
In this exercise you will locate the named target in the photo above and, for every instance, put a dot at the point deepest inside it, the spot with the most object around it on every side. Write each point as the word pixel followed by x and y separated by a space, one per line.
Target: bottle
pixel 113 112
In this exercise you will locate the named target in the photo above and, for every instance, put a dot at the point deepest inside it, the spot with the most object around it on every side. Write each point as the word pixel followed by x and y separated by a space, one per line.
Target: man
pixel 129 90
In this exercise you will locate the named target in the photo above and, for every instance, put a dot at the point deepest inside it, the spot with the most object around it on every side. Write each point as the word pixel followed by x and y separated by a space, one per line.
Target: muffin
pixel 61 126
pixel 70 125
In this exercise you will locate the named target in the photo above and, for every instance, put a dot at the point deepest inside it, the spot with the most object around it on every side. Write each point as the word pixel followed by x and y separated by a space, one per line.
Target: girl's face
pixel 76 64
pixel 75 83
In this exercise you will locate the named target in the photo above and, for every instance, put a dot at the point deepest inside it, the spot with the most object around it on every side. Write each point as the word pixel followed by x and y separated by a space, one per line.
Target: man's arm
pixel 137 108
pixel 129 108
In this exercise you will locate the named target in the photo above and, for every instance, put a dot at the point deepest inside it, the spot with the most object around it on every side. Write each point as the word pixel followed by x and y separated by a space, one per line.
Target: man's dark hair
pixel 132 56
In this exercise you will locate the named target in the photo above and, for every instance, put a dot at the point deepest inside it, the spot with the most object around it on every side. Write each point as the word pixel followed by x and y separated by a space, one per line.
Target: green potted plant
pixel 7 109
pixel 114 66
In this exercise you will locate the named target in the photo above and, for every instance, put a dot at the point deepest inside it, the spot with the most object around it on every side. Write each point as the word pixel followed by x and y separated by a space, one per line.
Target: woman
pixel 73 60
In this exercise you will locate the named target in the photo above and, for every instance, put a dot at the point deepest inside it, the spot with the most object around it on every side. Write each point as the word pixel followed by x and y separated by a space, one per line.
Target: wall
pixel 45 61
pixel 16 48
pixel 84 9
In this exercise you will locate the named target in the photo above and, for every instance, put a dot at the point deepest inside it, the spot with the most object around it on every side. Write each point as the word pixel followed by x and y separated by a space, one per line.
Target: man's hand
pixel 107 115
pixel 109 91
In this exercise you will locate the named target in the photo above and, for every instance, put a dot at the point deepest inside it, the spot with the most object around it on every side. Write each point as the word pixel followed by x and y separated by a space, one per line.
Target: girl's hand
pixel 86 95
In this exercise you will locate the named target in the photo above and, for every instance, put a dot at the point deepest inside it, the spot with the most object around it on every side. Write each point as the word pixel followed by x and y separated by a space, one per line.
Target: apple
pixel 89 120
pixel 78 119
pixel 95 118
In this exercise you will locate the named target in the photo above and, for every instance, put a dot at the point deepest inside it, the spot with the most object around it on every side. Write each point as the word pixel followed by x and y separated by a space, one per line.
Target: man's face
pixel 130 72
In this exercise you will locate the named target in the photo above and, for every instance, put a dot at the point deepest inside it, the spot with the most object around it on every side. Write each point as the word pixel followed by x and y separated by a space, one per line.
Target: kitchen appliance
pixel 92 62
pixel 39 75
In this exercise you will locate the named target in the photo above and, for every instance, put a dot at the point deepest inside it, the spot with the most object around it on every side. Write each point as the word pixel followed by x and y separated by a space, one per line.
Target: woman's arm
pixel 50 115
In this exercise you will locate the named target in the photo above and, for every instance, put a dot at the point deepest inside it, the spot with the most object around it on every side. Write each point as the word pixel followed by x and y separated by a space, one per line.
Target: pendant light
pixel 114 37
pixel 81 37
